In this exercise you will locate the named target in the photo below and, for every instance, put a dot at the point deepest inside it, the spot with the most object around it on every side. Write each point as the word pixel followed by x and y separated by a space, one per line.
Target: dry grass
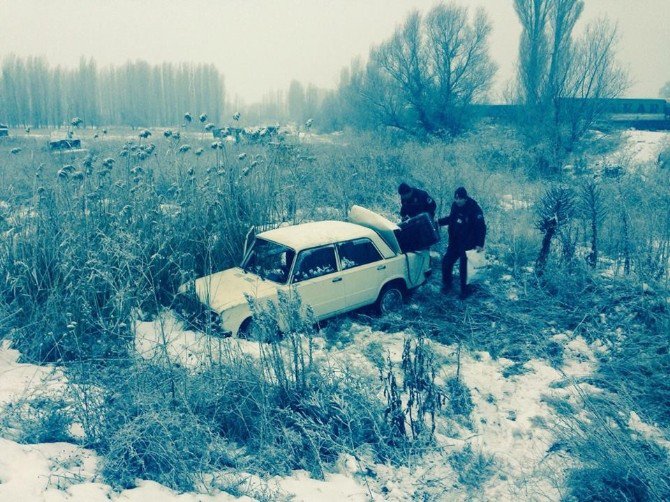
pixel 91 243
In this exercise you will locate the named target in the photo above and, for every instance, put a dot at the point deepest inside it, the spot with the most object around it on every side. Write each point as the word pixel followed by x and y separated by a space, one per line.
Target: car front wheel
pixel 246 329
pixel 249 331
pixel 390 299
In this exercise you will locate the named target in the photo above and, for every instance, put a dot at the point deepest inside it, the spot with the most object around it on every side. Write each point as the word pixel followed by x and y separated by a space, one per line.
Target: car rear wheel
pixel 390 299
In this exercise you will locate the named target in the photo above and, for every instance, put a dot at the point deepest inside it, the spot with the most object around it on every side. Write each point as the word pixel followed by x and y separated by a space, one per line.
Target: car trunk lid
pixel 385 228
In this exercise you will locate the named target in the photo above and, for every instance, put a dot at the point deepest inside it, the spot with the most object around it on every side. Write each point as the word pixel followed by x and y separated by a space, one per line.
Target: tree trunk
pixel 550 231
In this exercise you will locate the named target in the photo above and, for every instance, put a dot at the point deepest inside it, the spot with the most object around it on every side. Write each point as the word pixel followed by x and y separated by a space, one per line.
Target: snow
pixel 638 148
pixel 54 472
pixel 645 146
pixel 510 423
pixel 508 203
pixel 335 488
pixel 165 339
pixel 503 424
pixel 507 419
pixel 647 431
pixel 42 471
pixel 317 233
pixel 580 359
pixel 18 380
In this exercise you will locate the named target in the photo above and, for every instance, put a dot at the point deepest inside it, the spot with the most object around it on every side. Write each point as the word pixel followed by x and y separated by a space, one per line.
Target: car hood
pixel 227 289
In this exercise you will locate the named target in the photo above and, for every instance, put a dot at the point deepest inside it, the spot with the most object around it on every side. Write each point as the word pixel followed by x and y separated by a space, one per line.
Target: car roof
pixel 317 233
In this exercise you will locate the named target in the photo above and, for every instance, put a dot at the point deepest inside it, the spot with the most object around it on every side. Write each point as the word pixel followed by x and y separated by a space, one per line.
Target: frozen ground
pixel 510 424
pixel 639 148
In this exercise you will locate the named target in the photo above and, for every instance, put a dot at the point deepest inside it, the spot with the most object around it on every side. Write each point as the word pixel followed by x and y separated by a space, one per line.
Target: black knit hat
pixel 461 193
pixel 404 188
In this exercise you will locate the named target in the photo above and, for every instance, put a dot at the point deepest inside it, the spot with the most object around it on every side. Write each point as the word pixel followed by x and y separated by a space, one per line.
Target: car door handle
pixel 381 267
pixel 337 279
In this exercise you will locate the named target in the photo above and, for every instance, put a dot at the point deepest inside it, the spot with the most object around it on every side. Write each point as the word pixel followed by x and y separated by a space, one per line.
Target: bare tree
pixel 377 100
pixel 591 206
pixel 402 59
pixel 461 70
pixel 593 76
pixel 424 77
pixel 296 101
pixel 135 94
pixel 563 15
pixel 545 49
pixel 562 80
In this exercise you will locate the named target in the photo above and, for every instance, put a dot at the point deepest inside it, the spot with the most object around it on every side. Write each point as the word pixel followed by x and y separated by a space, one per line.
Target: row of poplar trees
pixel 33 93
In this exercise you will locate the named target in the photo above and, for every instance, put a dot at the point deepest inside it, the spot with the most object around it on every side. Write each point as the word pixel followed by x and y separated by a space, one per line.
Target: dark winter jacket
pixel 467 228
pixel 419 202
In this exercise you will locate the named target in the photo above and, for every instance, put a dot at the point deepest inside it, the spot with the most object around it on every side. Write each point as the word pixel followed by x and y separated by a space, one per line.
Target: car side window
pixel 357 252
pixel 315 263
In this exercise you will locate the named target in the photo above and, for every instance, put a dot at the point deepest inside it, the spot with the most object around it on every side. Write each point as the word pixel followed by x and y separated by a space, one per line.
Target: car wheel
pixel 246 328
pixel 247 332
pixel 390 299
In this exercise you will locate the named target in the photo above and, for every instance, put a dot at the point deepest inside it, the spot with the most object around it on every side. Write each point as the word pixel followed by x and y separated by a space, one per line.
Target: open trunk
pixel 385 228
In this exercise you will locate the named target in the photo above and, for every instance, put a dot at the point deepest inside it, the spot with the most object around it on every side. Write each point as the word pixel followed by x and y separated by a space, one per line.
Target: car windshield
pixel 269 260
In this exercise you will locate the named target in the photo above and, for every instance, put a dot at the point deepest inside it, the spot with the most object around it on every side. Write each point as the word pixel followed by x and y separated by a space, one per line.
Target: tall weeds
pixel 92 244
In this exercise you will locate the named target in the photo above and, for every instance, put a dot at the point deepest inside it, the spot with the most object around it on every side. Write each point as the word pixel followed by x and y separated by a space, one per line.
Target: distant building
pixel 638 113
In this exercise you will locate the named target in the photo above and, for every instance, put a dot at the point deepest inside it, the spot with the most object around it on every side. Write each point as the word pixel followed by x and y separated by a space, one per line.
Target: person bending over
pixel 414 201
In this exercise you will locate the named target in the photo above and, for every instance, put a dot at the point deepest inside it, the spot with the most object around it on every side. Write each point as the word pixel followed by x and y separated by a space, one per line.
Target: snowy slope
pixel 510 424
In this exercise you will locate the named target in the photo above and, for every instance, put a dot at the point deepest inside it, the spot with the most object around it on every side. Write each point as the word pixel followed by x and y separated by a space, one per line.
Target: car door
pixel 317 279
pixel 363 271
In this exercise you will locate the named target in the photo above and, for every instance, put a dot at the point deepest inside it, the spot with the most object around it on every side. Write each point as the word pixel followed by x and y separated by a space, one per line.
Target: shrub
pixel 287 409
pixel 606 483
pixel 167 446
pixel 284 411
pixel 614 463
pixel 473 468
pixel 38 420
pixel 459 397
pixel 612 458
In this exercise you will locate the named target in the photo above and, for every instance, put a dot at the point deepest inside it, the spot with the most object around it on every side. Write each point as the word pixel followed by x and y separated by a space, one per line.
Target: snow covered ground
pixel 511 422
pixel 510 425
pixel 639 148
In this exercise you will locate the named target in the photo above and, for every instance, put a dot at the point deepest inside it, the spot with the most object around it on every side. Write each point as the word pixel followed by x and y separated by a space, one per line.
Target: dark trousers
pixel 448 260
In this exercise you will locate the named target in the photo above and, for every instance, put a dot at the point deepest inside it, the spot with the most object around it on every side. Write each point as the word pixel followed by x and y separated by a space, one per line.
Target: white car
pixel 335 267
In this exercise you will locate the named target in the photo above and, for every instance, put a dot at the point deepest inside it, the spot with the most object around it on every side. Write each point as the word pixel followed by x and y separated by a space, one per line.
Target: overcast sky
pixel 261 45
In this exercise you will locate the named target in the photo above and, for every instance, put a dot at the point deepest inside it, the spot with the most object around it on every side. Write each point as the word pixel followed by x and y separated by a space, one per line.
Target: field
pixel 549 382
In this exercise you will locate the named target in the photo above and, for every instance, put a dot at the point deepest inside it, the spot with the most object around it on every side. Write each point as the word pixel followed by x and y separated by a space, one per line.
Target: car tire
pixel 246 332
pixel 391 299
pixel 246 329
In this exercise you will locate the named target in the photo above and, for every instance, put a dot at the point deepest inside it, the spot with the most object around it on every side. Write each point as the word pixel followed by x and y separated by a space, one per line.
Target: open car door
pixel 248 241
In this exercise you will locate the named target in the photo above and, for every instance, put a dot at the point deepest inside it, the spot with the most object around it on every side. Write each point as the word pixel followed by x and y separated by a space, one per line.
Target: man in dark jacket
pixel 414 201
pixel 467 230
